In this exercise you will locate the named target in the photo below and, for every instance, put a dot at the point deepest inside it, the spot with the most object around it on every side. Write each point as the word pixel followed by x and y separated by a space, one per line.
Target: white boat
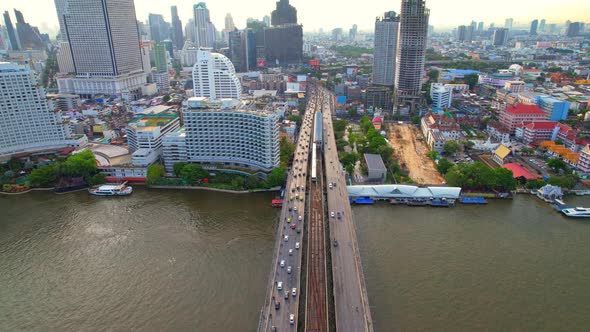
pixel 111 190
pixel 578 212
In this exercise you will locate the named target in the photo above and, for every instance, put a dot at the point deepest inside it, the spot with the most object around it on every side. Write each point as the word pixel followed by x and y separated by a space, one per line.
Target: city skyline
pixel 444 16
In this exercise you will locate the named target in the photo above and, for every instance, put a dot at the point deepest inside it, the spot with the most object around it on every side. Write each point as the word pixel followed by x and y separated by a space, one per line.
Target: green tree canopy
pixel 451 147
pixel 566 181
pixel 472 80
pixel 557 164
pixel 80 164
pixel 432 154
pixel 177 168
pixel 155 171
pixel 43 176
pixel 287 152
pixel 192 172
pixel 444 165
pixel 276 177
pixel 296 119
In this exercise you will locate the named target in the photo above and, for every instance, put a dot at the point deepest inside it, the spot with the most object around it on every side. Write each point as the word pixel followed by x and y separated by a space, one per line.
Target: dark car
pixel 277 305
pixel 335 243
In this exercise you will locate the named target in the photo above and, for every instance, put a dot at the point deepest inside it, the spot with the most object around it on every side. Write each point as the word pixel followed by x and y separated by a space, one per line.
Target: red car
pixel 293 226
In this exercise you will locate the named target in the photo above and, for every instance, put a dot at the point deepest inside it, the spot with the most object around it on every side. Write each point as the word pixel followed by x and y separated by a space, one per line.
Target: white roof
pixel 401 191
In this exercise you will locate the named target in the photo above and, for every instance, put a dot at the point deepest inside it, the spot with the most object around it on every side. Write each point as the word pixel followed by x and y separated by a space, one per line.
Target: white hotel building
pixel 227 133
pixel 214 76
pixel 144 136
pixel 26 122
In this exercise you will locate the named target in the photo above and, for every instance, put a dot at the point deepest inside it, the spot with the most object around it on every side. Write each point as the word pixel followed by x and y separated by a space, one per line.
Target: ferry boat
pixel 111 190
pixel 578 212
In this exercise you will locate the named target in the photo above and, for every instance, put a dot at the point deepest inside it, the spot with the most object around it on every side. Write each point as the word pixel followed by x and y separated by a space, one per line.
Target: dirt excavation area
pixel 411 154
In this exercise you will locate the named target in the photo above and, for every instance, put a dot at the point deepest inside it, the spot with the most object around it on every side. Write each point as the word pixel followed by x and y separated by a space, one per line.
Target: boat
pixel 439 202
pixel 418 202
pixel 473 200
pixel 578 212
pixel 277 202
pixel 398 201
pixel 364 201
pixel 111 189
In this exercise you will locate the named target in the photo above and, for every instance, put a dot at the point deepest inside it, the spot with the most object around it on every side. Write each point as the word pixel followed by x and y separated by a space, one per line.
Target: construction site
pixel 410 151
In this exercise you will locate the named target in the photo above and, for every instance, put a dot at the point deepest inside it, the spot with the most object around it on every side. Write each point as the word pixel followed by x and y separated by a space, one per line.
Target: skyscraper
pixel 104 40
pixel 177 37
pixel 284 14
pixel 411 51
pixel 508 23
pixel 160 57
pixel 573 29
pixel 159 29
pixel 385 52
pixel 214 76
pixel 60 6
pixel 266 20
pixel 283 41
pixel 542 25
pixel 229 22
pixel 11 32
pixel 242 49
pixel 28 36
pixel 352 32
pixel 205 31
pixel 534 25
pixel 27 122
pixel 500 37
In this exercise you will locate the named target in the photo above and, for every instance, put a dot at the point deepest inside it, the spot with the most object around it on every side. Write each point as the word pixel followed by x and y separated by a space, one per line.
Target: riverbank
pixel 216 189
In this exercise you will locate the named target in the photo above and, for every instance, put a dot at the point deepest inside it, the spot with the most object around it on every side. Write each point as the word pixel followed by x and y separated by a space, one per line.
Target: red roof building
pixel 539 131
pixel 515 115
pixel 519 171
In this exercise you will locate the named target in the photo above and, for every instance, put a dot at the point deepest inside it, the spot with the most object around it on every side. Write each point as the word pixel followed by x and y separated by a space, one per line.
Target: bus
pixel 313 163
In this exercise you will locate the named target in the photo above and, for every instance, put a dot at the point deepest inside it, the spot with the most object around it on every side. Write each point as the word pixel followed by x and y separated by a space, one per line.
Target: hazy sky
pixel 328 14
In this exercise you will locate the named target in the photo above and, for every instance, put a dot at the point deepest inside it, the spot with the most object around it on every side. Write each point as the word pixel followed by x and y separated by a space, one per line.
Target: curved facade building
pixel 214 76
pixel 228 133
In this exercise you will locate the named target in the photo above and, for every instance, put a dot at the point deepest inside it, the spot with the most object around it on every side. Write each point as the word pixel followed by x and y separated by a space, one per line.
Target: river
pixel 198 261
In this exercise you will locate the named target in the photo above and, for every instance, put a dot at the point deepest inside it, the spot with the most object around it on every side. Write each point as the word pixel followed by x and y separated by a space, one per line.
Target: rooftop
pixel 541 125
pixel 152 121
pixel 521 109
pixel 519 171
pixel 502 151
pixel 374 161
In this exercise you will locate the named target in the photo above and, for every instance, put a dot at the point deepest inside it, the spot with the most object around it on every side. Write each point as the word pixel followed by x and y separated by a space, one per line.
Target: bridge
pixel 316 281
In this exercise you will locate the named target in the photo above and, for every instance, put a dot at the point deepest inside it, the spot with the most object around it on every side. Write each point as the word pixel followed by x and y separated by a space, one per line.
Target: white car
pixel 279 285
pixel 332 214
pixel 296 245
pixel 295 209
pixel 294 292
pixel 286 238
pixel 300 218
pixel 290 252
pixel 291 319
pixel 282 263
pixel 289 270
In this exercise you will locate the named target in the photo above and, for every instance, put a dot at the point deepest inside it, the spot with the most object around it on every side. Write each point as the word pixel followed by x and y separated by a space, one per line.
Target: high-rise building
pixel 104 40
pixel 27 123
pixel 441 96
pixel 159 29
pixel 462 33
pixel 352 32
pixel 542 25
pixel 508 23
pixel 284 14
pixel 242 49
pixel 177 37
pixel 205 30
pixel 283 44
pixel 385 51
pixel 534 25
pixel 229 22
pixel 29 36
pixel 161 57
pixel 500 37
pixel 228 133
pixel 573 29
pixel 190 30
pixel 411 51
pixel 145 134
pixel 60 6
pixel 65 62
pixel 214 76
pixel 266 20
pixel 11 32
pixel 480 27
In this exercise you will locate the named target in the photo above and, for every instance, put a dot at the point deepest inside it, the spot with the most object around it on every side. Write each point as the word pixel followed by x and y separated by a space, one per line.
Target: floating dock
pixel 473 200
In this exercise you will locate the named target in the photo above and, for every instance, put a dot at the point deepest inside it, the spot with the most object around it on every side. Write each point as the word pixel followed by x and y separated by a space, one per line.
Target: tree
pixel 557 164
pixel 80 164
pixel 467 144
pixel 287 152
pixel 15 164
pixel 166 98
pixel 504 179
pixel 433 75
pixel 340 144
pixel 97 179
pixel 296 119
pixel 566 181
pixel 276 178
pixel 451 147
pixel 558 142
pixel 190 173
pixel 432 154
pixel 444 165
pixel 527 151
pixel 352 112
pixel 177 168
pixel 472 80
pixel 535 184
pixel 155 171
pixel 238 182
pixel 43 176
pixel 252 182
pixel 416 119
pixel 349 159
